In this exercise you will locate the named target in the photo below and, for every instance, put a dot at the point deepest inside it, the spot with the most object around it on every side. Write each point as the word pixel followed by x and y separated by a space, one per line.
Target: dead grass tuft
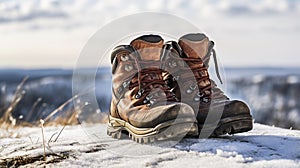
pixel 58 117
pixel 7 120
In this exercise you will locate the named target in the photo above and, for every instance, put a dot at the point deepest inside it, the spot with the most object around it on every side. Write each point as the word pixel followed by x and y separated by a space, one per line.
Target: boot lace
pixel 198 68
pixel 216 65
pixel 217 93
pixel 149 79
pixel 200 74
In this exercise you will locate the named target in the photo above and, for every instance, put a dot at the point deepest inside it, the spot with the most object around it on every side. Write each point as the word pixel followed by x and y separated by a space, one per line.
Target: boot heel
pixel 238 124
pixel 117 132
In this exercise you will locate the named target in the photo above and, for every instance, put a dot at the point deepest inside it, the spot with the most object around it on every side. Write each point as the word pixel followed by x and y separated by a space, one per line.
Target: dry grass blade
pixel 66 103
pixel 31 112
pixel 60 108
pixel 30 140
pixel 50 140
pixel 73 117
pixel 42 125
pixel 59 133
pixel 7 120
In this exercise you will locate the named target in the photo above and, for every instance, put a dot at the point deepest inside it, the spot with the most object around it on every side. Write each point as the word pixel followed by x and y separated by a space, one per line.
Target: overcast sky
pixel 48 33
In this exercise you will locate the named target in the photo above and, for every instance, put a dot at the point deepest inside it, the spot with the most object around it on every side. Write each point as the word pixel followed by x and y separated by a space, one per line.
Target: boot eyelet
pixel 120 89
pixel 152 101
pixel 199 94
pixel 124 57
pixel 205 100
pixel 193 87
pixel 175 78
pixel 139 94
pixel 203 73
pixel 196 99
pixel 172 64
pixel 189 91
pixel 125 84
pixel 128 68
pixel 181 63
pixel 148 97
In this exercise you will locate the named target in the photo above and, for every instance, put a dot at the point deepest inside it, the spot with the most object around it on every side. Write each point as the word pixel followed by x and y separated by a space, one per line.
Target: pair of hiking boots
pixel 163 91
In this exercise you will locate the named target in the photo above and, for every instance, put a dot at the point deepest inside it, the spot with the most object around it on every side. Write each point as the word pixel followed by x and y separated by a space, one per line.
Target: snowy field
pixel 88 146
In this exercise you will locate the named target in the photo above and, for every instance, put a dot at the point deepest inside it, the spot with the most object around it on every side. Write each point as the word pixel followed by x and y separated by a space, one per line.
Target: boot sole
pixel 230 125
pixel 170 130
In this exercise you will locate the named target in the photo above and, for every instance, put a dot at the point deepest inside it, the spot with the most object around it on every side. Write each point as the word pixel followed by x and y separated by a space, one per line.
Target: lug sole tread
pixel 231 125
pixel 174 132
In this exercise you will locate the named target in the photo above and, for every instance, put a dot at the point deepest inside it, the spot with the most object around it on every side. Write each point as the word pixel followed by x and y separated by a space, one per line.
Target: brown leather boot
pixel 225 116
pixel 142 106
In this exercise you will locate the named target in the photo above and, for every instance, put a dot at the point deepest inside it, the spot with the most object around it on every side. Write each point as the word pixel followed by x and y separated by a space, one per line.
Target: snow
pixel 88 146
pixel 293 79
pixel 258 78
pixel 272 95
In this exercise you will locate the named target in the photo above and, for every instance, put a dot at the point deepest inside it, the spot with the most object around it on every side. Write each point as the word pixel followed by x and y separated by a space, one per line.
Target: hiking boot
pixel 142 106
pixel 226 116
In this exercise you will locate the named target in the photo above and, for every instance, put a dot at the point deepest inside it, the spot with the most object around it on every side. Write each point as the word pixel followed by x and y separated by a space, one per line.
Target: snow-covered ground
pixel 88 146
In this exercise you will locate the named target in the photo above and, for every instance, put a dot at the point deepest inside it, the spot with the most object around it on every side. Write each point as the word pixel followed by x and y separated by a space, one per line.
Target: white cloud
pixel 233 24
pixel 20 10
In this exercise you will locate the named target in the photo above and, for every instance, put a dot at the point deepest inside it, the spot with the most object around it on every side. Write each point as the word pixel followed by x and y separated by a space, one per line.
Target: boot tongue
pixel 194 45
pixel 149 47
